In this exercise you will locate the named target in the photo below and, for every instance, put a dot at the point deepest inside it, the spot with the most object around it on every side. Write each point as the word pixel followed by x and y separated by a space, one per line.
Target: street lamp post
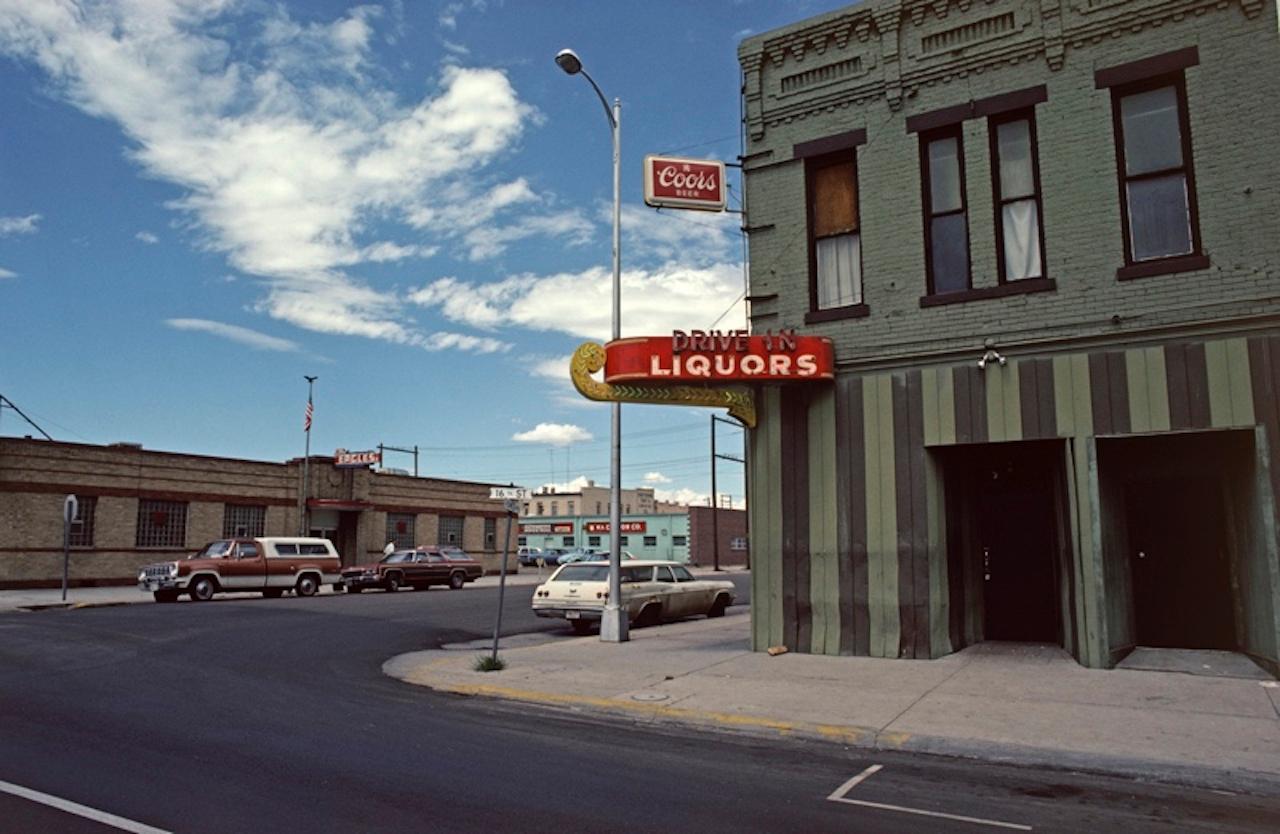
pixel 613 626
pixel 306 461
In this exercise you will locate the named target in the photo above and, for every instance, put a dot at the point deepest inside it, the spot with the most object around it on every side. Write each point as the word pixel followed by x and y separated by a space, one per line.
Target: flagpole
pixel 306 459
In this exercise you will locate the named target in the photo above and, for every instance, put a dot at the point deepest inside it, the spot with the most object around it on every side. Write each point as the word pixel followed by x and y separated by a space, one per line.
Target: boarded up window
pixel 835 203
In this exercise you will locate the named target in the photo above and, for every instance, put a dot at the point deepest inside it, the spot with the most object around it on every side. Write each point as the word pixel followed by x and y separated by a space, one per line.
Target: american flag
pixel 306 423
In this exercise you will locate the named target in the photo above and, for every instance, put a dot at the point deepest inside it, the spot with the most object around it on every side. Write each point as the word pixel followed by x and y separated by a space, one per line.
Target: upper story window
pixel 1016 174
pixel 945 211
pixel 1154 148
pixel 1159 218
pixel 836 253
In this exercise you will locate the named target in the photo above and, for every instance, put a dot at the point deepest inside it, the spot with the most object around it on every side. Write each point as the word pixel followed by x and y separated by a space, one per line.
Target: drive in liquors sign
pixel 673 182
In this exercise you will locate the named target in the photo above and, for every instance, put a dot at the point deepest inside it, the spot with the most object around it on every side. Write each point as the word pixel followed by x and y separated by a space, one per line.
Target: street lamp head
pixel 569 61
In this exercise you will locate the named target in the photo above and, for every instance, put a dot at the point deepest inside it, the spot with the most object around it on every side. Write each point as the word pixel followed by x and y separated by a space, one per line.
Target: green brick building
pixel 1043 237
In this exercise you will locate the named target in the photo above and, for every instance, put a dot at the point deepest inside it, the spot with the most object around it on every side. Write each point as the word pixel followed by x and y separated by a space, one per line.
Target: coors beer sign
pixel 671 182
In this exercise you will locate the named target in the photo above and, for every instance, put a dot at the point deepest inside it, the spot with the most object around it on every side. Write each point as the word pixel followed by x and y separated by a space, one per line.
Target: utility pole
pixel 5 402
pixel 382 448
pixel 715 497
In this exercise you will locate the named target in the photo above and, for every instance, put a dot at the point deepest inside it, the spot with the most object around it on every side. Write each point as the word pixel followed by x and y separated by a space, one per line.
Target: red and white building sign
pixel 671 182
pixel 627 526
pixel 344 459
pixel 720 356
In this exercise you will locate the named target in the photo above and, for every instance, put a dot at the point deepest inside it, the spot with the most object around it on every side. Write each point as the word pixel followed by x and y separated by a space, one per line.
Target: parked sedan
pixel 651 591
pixel 419 568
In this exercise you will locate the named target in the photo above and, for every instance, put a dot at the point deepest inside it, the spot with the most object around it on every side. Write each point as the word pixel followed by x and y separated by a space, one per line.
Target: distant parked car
pixel 419 568
pixel 529 556
pixel 591 556
pixel 651 591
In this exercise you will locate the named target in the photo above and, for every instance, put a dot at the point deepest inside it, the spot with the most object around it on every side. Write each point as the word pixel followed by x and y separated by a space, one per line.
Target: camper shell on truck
pixel 272 565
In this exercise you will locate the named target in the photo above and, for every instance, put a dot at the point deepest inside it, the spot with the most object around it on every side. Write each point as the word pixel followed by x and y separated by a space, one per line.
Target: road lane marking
pixel 80 810
pixel 839 792
pixel 838 795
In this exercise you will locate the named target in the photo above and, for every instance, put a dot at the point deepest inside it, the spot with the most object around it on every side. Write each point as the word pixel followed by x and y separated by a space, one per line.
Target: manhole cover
pixel 650 696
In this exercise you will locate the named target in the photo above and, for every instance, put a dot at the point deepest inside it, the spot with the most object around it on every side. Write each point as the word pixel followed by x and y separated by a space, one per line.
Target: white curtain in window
pixel 1021 240
pixel 839 271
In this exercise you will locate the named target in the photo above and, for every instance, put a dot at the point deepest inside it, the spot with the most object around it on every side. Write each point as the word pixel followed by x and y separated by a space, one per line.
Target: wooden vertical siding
pixel 825 575
pixel 849 530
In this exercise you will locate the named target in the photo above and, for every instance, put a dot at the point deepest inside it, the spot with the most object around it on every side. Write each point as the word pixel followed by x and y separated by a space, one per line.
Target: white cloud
pixel 147 237
pixel 655 478
pixel 461 341
pixel 285 143
pixel 653 301
pixel 576 485
pixel 554 434
pixel 681 496
pixel 239 335
pixel 19 225
pixel 694 238
pixel 5 273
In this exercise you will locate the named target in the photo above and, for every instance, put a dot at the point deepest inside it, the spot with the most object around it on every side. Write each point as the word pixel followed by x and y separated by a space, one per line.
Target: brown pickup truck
pixel 270 565
pixel 418 568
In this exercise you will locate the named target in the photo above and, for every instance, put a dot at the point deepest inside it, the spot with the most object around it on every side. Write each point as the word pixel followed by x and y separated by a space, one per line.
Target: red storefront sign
pixel 556 528
pixel 627 526
pixel 720 356
pixel 672 182
pixel 342 459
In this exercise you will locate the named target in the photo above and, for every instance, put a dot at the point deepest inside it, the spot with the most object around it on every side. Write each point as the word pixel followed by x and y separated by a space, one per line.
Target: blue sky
pixel 203 200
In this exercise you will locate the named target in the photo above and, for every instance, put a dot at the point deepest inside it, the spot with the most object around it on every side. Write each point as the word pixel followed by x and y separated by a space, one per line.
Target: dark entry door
pixel 1016 538
pixel 1178 555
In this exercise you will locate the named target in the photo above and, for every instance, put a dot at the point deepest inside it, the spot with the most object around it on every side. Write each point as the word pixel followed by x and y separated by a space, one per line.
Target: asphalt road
pixel 273 716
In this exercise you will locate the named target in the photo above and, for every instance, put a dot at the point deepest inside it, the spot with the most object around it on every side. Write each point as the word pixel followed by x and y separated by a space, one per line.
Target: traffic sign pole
pixel 70 509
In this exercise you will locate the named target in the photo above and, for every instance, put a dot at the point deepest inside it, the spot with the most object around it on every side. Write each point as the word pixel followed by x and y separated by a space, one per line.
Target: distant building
pixel 723 527
pixel 1042 237
pixel 594 500
pixel 139 506
pixel 645 536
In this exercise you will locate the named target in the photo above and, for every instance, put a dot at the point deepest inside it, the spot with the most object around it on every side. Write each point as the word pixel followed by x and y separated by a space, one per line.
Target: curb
pixel 871 738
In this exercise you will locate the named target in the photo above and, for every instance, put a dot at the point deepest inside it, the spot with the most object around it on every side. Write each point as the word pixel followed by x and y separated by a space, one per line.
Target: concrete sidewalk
pixel 1006 702
pixel 42 598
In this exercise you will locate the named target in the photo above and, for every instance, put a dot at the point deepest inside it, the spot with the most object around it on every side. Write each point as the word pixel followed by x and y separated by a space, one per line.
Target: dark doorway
pixel 348 540
pixel 1001 506
pixel 1016 534
pixel 1178 544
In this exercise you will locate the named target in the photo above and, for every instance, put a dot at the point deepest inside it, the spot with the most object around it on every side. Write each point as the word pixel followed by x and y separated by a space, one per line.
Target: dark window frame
pixel 994 122
pixel 407 539
pixel 254 514
pixel 953 130
pixel 169 535
pixel 813 164
pixel 1171 264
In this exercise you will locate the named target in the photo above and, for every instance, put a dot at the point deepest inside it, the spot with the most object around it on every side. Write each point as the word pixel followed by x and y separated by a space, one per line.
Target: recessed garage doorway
pixel 1181 537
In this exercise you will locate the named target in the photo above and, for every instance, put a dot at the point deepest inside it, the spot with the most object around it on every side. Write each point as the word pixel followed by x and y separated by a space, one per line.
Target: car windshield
pixel 215 550
pixel 399 556
pixel 582 573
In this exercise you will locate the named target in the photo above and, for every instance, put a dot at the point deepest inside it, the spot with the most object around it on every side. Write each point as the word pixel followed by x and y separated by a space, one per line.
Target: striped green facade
pixel 849 520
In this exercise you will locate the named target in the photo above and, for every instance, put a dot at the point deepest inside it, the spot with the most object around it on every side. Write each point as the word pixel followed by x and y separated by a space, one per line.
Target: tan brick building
pixel 139 506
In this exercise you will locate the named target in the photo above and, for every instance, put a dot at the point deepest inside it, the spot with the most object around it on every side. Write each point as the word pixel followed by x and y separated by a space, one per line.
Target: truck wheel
pixel 456 580
pixel 307 585
pixel 203 588
pixel 166 596
pixel 392 582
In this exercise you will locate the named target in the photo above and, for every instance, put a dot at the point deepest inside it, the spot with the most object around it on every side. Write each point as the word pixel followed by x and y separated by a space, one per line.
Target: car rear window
pixel 582 573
